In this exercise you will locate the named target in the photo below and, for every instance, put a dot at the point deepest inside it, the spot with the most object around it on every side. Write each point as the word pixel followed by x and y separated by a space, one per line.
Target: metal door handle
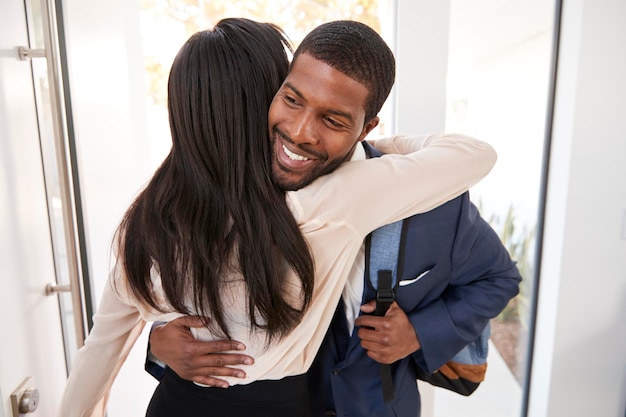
pixel 26 54
pixel 53 288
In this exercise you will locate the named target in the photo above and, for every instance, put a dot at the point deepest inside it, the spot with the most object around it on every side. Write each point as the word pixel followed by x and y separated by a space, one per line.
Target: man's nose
pixel 304 130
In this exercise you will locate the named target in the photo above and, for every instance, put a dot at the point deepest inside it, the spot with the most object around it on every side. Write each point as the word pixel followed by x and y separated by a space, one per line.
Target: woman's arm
pixel 378 191
pixel 401 144
pixel 405 144
pixel 117 326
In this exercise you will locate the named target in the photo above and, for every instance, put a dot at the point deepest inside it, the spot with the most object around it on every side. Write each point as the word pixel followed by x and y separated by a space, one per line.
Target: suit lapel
pixel 338 334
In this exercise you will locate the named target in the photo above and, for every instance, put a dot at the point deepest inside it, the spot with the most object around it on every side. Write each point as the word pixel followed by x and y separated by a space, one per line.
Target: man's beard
pixel 285 184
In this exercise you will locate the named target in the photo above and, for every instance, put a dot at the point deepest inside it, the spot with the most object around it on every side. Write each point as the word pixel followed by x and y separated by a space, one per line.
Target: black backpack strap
pixel 384 297
pixel 383 267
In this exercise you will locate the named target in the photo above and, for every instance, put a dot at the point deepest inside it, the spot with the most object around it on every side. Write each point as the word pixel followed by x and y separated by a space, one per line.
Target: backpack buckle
pixel 385 296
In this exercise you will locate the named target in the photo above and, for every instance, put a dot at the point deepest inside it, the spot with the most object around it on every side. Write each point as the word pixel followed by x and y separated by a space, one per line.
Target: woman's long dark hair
pixel 212 200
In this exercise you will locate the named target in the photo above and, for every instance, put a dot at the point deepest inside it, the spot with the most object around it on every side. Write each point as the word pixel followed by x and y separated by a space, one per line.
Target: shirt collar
pixel 359 153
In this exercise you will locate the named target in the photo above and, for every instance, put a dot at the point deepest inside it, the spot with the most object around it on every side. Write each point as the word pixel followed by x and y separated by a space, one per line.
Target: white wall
pixel 580 350
pixel 422 57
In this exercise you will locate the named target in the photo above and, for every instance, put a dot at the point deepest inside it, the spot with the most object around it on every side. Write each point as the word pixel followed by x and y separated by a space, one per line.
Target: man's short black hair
pixel 356 50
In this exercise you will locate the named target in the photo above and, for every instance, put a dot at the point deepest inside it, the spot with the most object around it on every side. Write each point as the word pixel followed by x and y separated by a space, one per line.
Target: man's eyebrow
pixel 294 89
pixel 343 114
pixel 336 112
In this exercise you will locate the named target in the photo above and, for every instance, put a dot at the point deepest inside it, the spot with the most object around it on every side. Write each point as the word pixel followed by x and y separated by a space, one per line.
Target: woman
pixel 211 235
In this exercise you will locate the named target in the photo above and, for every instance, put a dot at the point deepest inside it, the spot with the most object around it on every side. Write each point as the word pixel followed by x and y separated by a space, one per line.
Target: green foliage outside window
pixel 520 246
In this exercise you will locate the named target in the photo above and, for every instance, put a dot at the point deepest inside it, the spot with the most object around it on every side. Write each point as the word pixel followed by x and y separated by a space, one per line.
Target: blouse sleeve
pixel 403 144
pixel 371 193
pixel 117 325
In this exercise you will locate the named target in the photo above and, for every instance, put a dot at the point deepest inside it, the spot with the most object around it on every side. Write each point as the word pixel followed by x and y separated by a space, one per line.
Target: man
pixel 456 273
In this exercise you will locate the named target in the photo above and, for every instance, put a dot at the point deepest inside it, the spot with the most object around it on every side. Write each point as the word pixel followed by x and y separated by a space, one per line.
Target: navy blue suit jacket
pixel 467 278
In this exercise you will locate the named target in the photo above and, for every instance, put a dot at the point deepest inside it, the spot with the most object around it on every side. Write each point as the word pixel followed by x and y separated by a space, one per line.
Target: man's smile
pixel 291 158
pixel 293 155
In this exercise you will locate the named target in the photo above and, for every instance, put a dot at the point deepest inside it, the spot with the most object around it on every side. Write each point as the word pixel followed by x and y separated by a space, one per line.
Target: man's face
pixel 315 121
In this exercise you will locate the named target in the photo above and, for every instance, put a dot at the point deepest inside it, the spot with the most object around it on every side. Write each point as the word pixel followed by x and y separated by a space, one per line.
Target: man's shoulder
pixel 451 208
pixel 370 151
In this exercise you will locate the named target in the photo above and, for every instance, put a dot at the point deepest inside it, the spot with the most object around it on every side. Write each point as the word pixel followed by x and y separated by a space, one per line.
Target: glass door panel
pixel 499 67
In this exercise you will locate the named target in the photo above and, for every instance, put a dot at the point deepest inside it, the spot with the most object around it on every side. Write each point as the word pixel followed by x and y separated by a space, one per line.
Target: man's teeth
pixel 294 156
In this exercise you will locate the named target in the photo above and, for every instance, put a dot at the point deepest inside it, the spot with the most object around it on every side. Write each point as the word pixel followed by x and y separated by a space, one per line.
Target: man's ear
pixel 369 126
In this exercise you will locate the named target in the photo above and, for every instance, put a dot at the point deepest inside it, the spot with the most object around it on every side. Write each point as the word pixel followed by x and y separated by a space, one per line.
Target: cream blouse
pixel 334 213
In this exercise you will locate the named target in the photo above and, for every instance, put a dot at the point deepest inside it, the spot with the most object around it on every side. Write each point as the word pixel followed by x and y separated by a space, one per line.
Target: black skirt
pixel 176 397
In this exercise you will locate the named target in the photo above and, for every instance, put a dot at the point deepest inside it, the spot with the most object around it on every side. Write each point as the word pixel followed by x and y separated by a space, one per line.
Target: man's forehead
pixel 314 79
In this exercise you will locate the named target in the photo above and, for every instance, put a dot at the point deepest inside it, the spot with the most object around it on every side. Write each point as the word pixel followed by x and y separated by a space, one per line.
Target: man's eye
pixel 333 122
pixel 290 100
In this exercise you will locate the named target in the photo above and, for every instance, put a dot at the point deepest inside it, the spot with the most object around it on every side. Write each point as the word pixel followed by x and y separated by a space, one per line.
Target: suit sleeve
pixel 483 280
pixel 152 365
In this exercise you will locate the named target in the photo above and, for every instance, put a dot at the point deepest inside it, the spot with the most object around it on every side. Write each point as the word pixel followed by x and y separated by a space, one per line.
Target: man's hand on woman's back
pixel 194 360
